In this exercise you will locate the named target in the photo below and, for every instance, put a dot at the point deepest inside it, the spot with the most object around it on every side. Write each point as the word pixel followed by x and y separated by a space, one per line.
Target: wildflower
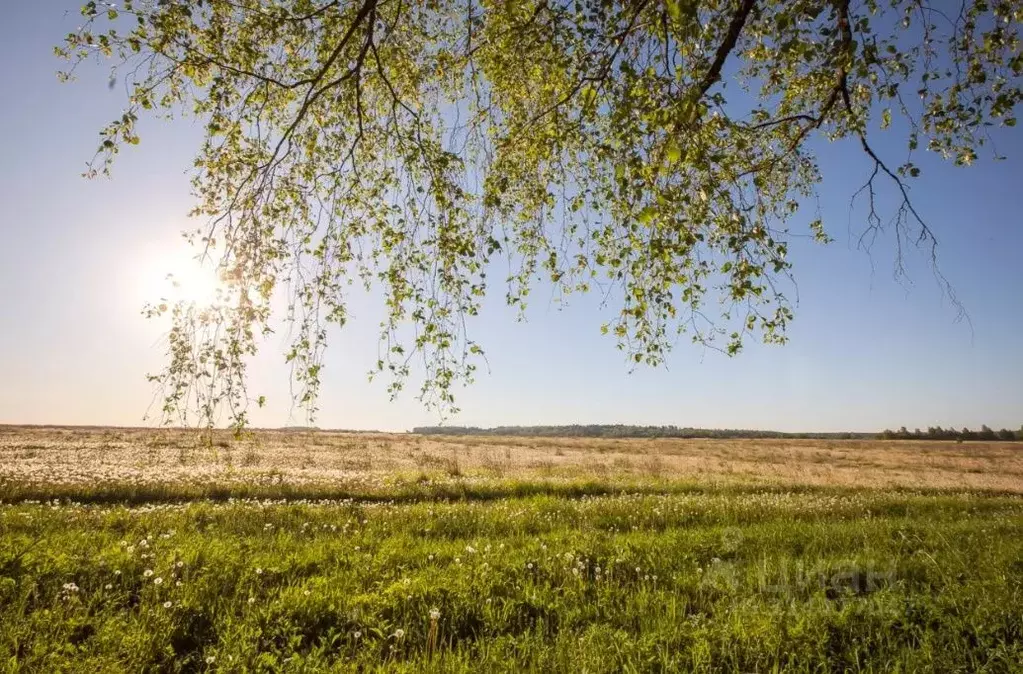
pixel 158 581
pixel 117 572
pixel 210 659
pixel 399 633
pixel 471 550
pixel 434 614
pixel 147 573
pixel 529 565
pixel 458 560
pixel 179 564
pixel 167 604
pixel 259 571
pixel 108 586
pixel 357 635
pixel 306 593
pixel 252 600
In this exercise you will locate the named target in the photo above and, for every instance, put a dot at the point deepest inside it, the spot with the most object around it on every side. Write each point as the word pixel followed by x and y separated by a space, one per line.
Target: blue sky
pixel 79 258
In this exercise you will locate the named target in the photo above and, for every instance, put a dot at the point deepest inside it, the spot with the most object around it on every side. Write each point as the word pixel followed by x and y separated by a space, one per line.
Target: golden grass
pixel 147 456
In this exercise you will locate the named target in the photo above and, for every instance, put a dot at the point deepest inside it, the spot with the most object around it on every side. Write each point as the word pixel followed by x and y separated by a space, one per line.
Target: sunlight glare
pixel 181 277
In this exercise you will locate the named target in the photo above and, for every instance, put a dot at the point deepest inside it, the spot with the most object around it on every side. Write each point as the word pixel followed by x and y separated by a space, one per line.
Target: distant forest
pixel 624 431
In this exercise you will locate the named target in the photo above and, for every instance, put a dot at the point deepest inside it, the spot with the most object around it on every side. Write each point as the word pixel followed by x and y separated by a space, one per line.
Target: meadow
pixel 142 550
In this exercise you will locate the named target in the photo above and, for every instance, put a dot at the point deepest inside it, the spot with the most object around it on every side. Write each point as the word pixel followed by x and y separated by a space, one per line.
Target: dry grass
pixel 148 456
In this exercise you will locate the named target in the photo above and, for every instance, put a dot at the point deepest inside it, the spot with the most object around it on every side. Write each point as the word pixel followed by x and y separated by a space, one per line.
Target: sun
pixel 180 276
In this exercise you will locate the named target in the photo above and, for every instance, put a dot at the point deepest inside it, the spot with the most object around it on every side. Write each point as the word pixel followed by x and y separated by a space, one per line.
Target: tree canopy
pixel 654 151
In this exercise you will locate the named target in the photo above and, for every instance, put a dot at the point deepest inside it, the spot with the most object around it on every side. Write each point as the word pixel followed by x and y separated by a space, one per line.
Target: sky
pixel 79 258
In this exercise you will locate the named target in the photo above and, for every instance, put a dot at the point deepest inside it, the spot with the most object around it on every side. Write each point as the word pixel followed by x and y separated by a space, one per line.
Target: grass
pixel 640 571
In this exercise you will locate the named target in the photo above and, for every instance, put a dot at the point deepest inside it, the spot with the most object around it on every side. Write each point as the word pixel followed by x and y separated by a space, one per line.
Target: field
pixel 132 550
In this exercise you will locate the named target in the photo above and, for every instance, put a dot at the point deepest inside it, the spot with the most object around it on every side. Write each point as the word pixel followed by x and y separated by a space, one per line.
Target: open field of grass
pixel 349 552
pixel 145 464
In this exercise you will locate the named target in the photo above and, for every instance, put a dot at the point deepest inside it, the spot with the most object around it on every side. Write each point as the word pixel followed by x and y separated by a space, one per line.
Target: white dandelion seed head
pixel 434 614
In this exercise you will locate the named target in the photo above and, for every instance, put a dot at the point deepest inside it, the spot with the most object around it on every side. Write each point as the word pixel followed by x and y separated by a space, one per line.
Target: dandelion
pixel 471 550
pixel 210 659
pixel 117 572
pixel 399 634
pixel 147 573
pixel 434 614
pixel 529 565
pixel 108 586
pixel 252 600
pixel 458 560
pixel 357 634
pixel 259 571
pixel 430 557
pixel 158 581
pixel 179 564
pixel 168 604
pixel 306 593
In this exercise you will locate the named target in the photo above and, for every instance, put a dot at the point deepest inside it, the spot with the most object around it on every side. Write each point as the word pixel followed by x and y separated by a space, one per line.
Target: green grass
pixel 734 580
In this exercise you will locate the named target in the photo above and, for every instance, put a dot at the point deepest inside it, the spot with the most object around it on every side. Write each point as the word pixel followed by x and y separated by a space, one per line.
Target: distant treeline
pixel 939 433
pixel 624 431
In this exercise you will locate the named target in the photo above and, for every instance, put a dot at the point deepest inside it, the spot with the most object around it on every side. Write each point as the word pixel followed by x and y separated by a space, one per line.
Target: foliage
pixel 422 146
pixel 939 433
pixel 754 581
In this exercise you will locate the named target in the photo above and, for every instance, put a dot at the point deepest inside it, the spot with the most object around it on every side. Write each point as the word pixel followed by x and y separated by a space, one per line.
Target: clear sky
pixel 79 258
